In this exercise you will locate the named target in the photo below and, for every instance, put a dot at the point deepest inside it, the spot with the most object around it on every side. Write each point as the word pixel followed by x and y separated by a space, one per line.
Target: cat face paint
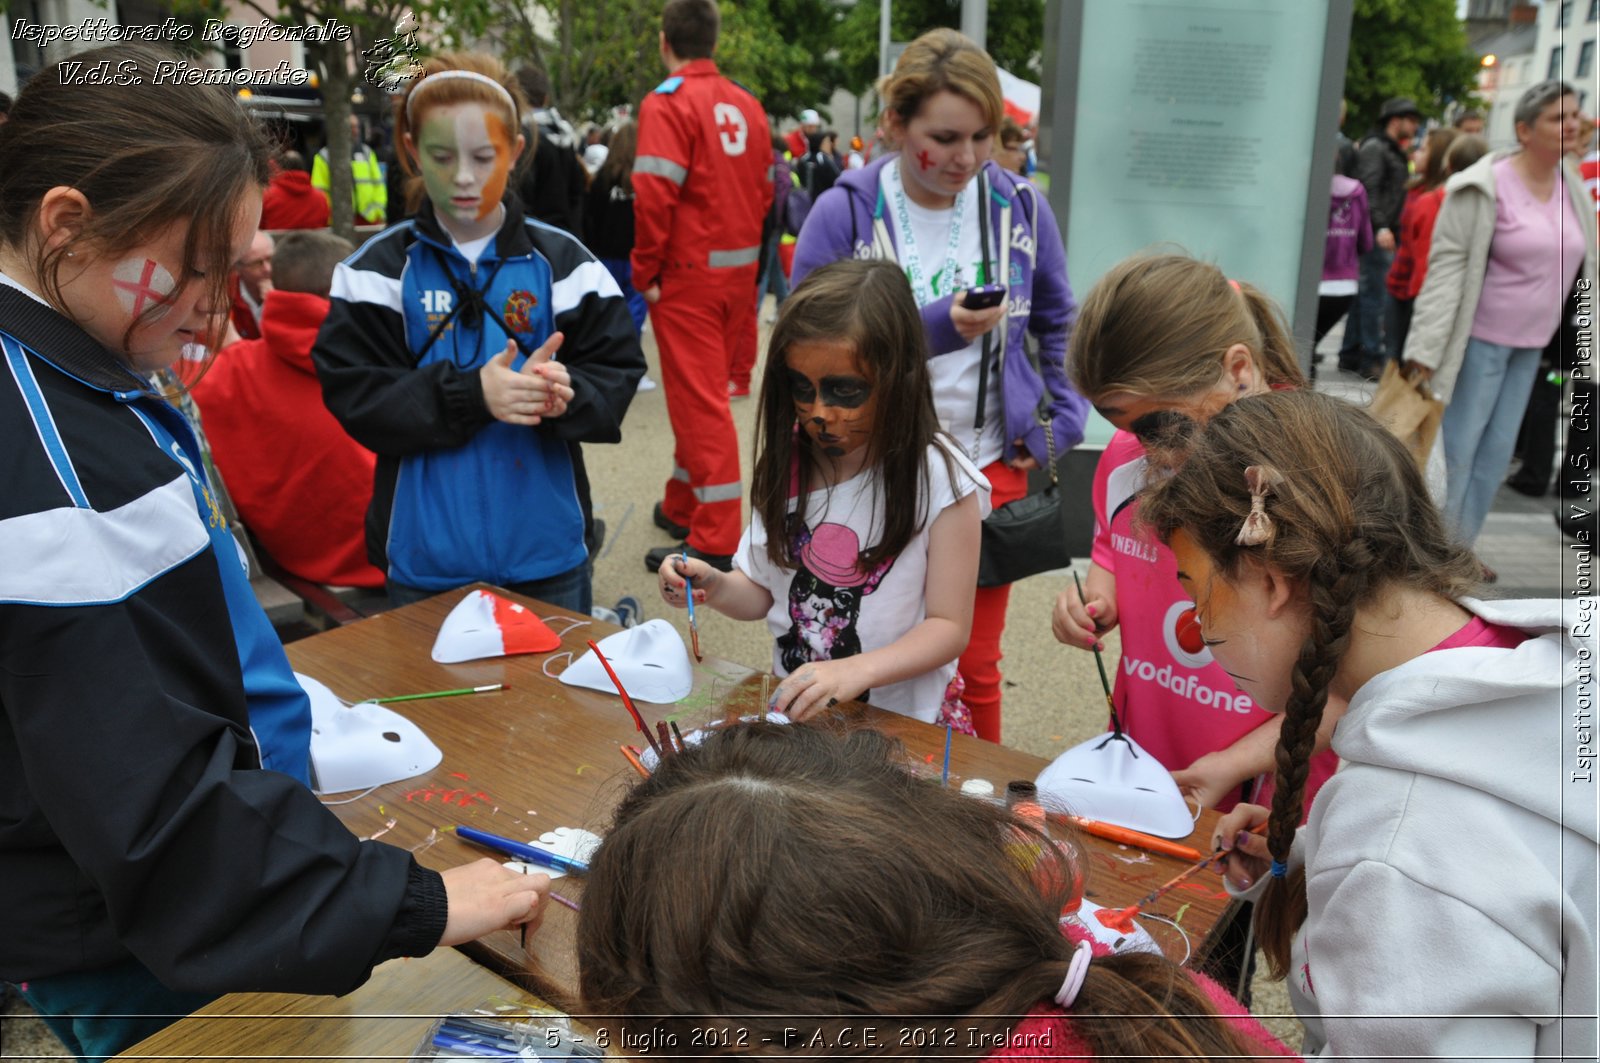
pixel 834 399
pixel 465 152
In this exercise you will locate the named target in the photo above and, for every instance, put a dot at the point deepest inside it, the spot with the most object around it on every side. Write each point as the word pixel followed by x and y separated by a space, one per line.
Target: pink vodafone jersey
pixel 1174 699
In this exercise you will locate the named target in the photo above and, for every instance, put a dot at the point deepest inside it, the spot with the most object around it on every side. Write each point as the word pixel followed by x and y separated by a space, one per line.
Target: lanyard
pixel 910 258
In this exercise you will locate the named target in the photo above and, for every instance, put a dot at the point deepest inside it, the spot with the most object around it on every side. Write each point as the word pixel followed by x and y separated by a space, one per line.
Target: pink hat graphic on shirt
pixel 834 553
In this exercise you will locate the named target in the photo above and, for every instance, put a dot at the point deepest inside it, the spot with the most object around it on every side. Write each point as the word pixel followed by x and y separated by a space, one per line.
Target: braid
pixel 1336 585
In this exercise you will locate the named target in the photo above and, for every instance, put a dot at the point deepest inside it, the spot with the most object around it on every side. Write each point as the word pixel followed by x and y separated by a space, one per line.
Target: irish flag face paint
pixel 465 152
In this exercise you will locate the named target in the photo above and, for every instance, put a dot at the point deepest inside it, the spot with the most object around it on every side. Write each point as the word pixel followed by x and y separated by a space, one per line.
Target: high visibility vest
pixel 371 197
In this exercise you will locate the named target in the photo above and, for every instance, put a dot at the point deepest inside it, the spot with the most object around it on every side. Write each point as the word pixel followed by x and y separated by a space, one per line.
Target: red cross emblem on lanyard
pixel 147 289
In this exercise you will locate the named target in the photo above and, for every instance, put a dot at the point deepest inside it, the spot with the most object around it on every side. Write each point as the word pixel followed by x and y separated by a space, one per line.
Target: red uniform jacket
pixel 291 203
pixel 301 484
pixel 239 312
pixel 702 180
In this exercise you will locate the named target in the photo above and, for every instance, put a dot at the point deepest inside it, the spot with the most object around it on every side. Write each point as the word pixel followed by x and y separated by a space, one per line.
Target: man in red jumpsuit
pixel 702 184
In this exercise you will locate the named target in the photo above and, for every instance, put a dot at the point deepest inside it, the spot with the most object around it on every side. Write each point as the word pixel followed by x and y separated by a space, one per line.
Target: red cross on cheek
pixel 153 286
pixel 923 161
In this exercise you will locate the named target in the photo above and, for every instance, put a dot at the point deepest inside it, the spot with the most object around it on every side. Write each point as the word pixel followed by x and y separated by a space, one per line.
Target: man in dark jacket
pixel 555 184
pixel 1381 168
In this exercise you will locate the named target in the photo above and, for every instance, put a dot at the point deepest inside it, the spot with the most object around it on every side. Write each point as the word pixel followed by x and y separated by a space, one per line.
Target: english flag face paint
pixel 465 152
pixel 943 147
pixel 141 284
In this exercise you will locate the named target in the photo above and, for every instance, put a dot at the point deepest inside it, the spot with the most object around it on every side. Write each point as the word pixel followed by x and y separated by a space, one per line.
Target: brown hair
pixel 1465 150
pixel 450 91
pixel 1350 519
pixel 618 167
pixel 691 27
pixel 304 260
pixel 145 156
pixel 796 879
pixel 1158 325
pixel 867 304
pixel 1437 168
pixel 942 60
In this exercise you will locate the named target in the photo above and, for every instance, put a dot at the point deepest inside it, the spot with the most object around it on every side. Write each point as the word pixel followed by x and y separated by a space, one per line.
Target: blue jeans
pixel 772 277
pixel 572 590
pixel 621 270
pixel 1480 429
pixel 1363 329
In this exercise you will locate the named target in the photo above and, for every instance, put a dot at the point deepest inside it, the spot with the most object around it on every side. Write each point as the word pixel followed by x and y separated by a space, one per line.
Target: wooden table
pixel 543 755
pixel 384 1019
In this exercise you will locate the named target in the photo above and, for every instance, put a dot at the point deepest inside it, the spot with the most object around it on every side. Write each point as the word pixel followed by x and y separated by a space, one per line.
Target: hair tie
pixel 1235 285
pixel 1077 971
pixel 1257 527
pixel 1280 869
pixel 468 75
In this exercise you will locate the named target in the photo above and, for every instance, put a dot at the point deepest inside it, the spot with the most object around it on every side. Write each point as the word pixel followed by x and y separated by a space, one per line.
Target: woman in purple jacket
pixel 955 220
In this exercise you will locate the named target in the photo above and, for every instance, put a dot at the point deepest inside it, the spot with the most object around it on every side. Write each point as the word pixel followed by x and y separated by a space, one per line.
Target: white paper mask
pixel 484 624
pixel 1112 779
pixel 650 660
pixel 356 747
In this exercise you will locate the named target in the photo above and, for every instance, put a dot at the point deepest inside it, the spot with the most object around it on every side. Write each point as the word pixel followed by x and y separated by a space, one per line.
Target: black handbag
pixel 1028 536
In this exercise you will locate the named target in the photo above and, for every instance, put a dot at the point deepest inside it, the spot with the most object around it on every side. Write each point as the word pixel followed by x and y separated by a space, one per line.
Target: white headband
pixel 470 75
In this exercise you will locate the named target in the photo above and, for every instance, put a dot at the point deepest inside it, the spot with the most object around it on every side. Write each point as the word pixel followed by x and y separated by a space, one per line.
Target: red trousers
pixel 702 322
pixel 980 661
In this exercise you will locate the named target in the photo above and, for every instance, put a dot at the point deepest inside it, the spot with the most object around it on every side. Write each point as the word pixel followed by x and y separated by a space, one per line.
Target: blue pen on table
pixel 523 851
pixel 688 593
pixel 949 733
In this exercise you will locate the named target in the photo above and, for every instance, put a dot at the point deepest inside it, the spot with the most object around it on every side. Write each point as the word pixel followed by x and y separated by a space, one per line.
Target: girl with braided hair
pixel 1441 899
pixel 795 892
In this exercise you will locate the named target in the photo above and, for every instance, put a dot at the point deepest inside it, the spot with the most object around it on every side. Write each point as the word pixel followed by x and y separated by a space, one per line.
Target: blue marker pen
pixel 522 851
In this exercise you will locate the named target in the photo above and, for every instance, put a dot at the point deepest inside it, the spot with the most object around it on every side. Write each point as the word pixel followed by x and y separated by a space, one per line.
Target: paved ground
pixel 1053 698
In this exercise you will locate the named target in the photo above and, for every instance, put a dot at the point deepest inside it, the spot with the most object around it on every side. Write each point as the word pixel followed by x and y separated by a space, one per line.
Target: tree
pixel 1415 48
pixel 1015 35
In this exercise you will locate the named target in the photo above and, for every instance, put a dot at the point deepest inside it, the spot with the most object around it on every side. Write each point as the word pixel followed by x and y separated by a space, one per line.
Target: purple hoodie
pixel 841 225
pixel 1349 230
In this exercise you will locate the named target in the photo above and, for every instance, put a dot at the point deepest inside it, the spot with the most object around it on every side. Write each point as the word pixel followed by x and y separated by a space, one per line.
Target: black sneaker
pixel 652 560
pixel 664 522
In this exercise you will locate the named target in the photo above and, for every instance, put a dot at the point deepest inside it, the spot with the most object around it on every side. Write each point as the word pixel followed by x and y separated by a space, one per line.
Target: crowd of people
pixel 410 414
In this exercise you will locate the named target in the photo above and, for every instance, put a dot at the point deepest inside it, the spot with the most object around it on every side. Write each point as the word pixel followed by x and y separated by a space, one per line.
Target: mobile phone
pixel 984 296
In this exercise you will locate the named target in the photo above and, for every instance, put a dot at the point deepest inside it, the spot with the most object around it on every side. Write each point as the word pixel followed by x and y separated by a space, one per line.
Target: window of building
pixel 1556 56
pixel 1564 16
pixel 1594 11
pixel 1585 60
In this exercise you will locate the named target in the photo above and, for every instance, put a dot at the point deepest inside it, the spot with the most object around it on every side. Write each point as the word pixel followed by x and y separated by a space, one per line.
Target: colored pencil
pixel 567 901
pixel 1125 836
pixel 688 594
pixel 627 702
pixel 683 747
pixel 944 778
pixel 442 693
pixel 523 851
pixel 667 748
pixel 633 758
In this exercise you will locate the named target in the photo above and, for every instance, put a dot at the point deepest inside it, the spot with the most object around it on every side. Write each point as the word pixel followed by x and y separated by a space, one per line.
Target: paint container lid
pixel 1020 791
pixel 978 788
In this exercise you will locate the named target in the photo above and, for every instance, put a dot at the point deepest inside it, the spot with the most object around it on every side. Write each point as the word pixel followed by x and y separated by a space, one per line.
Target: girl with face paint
pixel 472 349
pixel 1440 901
pixel 132 651
pixel 862 550
pixel 954 219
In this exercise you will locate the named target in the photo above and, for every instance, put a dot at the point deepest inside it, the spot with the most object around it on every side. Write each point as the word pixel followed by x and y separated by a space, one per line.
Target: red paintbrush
pixel 627 702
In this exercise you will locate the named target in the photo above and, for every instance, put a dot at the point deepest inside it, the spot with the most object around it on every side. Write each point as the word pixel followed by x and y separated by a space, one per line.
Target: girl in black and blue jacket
pixel 472 349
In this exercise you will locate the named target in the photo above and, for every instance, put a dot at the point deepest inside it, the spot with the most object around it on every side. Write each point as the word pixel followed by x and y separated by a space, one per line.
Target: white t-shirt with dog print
pixel 831 607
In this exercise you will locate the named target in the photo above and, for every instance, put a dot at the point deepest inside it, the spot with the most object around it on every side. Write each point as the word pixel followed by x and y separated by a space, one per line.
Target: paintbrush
pixel 667 748
pixel 683 747
pixel 1100 663
pixel 633 758
pixel 688 594
pixel 1121 919
pixel 627 702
